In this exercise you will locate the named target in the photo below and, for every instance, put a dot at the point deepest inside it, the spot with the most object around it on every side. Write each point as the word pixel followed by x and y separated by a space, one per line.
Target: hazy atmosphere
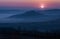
pixel 29 19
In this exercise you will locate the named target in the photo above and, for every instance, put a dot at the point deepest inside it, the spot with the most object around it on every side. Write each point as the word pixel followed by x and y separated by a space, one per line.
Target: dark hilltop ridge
pixel 31 13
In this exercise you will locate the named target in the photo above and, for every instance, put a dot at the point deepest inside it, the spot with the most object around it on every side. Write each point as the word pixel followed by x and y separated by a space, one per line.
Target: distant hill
pixel 53 10
pixel 27 14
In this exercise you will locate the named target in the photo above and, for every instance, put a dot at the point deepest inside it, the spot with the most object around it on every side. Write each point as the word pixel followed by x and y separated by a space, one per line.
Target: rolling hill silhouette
pixel 27 14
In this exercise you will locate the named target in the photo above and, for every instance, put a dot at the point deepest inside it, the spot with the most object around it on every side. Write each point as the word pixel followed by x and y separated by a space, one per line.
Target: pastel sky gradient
pixel 30 3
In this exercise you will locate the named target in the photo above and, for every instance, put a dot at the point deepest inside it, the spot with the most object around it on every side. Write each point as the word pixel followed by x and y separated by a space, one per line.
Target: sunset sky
pixel 30 3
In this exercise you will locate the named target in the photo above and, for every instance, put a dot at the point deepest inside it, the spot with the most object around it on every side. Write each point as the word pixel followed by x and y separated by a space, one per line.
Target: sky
pixel 30 3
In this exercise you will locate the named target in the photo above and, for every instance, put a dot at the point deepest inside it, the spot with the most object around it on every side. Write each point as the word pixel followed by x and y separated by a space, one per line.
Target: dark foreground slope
pixel 12 33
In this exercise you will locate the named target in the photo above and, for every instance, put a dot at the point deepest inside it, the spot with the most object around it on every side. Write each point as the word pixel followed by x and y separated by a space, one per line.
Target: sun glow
pixel 42 6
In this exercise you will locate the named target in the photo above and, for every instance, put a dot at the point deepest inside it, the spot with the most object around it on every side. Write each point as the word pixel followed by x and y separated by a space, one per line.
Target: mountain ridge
pixel 27 14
